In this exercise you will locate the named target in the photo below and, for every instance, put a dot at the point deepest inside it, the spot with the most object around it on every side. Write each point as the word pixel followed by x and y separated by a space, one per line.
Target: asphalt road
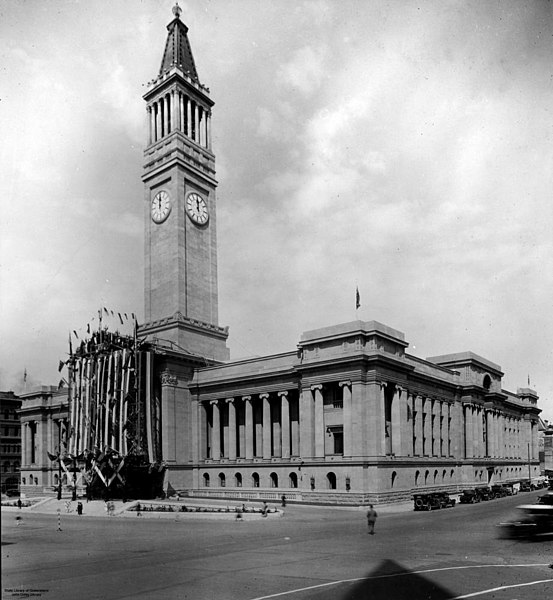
pixel 309 553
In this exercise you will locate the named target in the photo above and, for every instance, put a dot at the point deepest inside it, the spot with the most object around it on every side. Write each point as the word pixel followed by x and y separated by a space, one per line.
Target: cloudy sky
pixel 402 147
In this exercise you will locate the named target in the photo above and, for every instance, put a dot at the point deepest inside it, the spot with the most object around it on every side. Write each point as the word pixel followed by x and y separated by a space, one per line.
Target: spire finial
pixel 177 10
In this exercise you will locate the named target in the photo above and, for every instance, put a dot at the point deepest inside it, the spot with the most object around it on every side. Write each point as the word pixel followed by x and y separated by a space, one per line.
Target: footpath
pixel 99 508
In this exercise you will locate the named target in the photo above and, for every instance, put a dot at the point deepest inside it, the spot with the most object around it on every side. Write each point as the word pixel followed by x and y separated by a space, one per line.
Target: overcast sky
pixel 402 147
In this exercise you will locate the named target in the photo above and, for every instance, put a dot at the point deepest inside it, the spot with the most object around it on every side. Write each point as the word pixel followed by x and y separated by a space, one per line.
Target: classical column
pixel 168 123
pixel 418 425
pixel 201 126
pixel 436 432
pixel 249 426
pixel 467 408
pixel 346 412
pixel 285 424
pixel 149 114
pixel 295 427
pixel 427 427
pixel 216 432
pixel 307 423
pixel 208 130
pixel 231 429
pixel 266 425
pixel 534 445
pixel 442 450
pixel 188 117
pixel 198 129
pixel 396 423
pixel 319 420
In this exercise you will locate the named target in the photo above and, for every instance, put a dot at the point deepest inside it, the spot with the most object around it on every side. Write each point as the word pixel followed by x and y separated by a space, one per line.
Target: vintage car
pixel 485 493
pixel 469 497
pixel 433 501
pixel 525 486
pixel 532 520
pixel 501 491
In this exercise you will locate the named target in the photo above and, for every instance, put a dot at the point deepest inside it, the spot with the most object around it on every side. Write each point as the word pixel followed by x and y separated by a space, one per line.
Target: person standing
pixel 371 518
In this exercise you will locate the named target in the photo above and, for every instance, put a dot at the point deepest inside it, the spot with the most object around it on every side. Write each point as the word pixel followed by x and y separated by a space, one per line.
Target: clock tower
pixel 180 223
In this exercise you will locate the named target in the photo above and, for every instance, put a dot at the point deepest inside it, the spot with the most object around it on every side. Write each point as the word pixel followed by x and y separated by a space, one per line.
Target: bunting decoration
pixel 114 410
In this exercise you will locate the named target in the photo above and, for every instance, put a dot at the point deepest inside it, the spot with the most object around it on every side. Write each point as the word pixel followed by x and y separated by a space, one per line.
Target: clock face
pixel 161 207
pixel 196 208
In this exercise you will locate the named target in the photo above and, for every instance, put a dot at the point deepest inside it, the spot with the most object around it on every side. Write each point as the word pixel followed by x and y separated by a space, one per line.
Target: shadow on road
pixel 390 580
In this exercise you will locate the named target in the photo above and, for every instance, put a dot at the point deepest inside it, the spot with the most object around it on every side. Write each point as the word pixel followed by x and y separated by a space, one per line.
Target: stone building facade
pixel 352 417
pixel 44 427
pixel 10 446
pixel 346 417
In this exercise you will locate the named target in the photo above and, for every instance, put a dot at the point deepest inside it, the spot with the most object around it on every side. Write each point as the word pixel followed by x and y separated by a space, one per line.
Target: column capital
pixel 281 394
pixel 246 398
pixel 317 386
pixel 344 383
pixel 264 396
pixel 167 378
pixel 229 400
pixel 213 402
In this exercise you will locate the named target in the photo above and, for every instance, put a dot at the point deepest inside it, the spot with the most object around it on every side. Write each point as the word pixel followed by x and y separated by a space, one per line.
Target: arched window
pixel 452 472
pixel 426 474
pixel 394 477
pixel 417 477
pixel 487 382
pixel 222 480
pixel 206 479
pixel 444 473
pixel 331 480
pixel 293 479
pixel 255 479
pixel 435 475
pixel 24 481
pixel 238 480
pixel 274 480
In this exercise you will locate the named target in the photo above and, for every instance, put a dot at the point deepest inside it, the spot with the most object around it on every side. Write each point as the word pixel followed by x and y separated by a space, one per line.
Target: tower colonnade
pixel 176 110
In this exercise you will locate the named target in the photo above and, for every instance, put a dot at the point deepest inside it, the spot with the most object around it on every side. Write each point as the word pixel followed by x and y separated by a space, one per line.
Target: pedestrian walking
pixel 79 508
pixel 371 518
pixel 19 503
pixel 283 498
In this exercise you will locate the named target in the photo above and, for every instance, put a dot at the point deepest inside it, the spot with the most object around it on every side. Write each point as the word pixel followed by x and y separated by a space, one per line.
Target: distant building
pixel 44 418
pixel 10 446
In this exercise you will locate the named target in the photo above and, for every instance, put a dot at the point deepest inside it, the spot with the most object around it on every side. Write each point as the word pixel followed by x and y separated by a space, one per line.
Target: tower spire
pixel 177 48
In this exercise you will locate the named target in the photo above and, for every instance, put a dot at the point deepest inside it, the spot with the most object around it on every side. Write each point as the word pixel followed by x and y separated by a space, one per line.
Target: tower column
pixel 216 432
pixel 168 114
pixel 231 429
pixel 208 130
pixel 188 128
pixel 249 425
pixel 151 124
pixel 285 424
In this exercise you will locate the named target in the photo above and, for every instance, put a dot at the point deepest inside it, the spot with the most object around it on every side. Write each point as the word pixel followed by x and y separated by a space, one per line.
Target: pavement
pixel 98 508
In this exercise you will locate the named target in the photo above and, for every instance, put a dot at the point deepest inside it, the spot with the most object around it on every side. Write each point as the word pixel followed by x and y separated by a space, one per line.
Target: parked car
pixel 469 497
pixel 501 491
pixel 484 493
pixel 428 501
pixel 525 486
pixel 444 500
pixel 12 493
